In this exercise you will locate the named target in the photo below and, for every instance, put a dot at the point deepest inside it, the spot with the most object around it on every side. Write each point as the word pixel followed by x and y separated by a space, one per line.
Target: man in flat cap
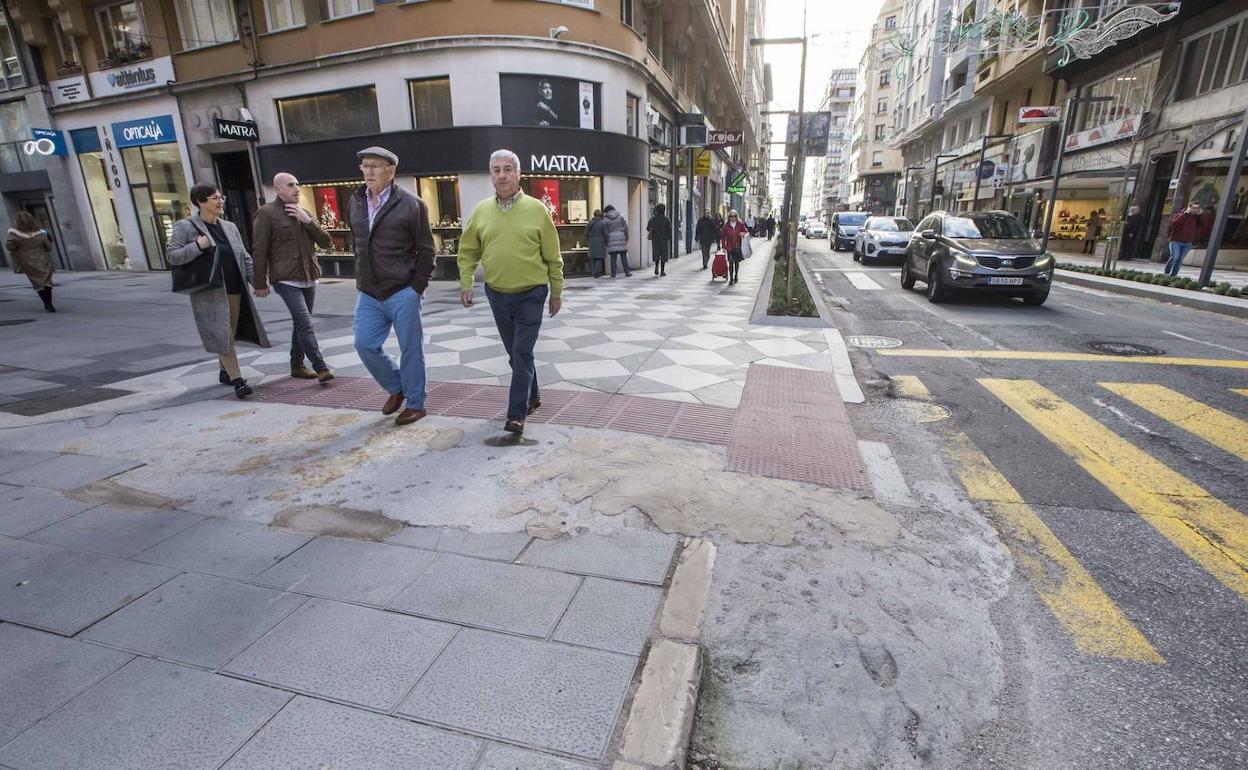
pixel 394 259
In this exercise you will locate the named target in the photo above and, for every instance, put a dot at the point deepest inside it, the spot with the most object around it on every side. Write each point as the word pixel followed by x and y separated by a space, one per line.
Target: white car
pixel 882 237
pixel 816 230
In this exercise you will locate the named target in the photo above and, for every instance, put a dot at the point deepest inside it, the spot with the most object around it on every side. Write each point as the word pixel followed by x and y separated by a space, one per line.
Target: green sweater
pixel 520 247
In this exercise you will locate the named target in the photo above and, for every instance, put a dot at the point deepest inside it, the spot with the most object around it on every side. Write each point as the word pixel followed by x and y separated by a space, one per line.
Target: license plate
pixel 1005 281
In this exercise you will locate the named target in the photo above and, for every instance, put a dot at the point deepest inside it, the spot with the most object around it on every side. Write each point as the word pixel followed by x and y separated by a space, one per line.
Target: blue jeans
pixel 1178 250
pixel 623 257
pixel 302 337
pixel 373 319
pixel 519 319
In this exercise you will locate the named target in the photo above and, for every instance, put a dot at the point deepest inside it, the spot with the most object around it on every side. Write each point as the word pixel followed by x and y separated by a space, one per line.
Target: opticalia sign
pixel 136 133
pixel 558 163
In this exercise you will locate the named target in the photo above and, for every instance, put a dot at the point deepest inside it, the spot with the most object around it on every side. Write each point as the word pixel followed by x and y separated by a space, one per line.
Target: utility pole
pixel 1224 205
pixel 791 268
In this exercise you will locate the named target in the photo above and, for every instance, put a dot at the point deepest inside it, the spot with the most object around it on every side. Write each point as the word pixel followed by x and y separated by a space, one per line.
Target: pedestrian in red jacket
pixel 734 232
pixel 1185 227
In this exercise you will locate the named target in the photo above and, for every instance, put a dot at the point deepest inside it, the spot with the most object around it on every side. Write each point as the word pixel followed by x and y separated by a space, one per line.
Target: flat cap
pixel 379 152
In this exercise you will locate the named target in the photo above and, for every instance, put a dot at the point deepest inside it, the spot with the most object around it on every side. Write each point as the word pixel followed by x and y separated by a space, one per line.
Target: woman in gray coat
pixel 617 239
pixel 226 314
pixel 596 234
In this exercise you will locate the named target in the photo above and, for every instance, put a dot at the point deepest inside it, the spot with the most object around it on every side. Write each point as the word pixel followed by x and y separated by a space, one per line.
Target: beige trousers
pixel 229 359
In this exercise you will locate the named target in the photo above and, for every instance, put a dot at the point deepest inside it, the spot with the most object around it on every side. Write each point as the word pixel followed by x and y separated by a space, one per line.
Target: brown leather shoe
pixel 393 403
pixel 409 416
pixel 514 425
pixel 302 373
pixel 324 376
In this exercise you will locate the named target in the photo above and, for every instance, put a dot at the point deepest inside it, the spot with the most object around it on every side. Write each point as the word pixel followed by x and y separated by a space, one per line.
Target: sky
pixel 840 31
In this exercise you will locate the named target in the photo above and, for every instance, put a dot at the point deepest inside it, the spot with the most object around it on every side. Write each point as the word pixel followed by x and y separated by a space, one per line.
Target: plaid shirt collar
pixel 382 197
pixel 506 205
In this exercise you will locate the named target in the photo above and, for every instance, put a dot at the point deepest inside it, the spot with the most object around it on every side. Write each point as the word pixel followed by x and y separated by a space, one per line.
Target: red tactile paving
pixel 792 424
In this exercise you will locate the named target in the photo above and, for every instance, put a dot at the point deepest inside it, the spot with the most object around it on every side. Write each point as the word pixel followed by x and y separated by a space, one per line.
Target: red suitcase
pixel 719 265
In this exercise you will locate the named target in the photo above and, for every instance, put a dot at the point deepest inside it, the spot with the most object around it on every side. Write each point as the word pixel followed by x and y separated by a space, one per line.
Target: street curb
pixel 660 721
pixel 759 315
pixel 1186 297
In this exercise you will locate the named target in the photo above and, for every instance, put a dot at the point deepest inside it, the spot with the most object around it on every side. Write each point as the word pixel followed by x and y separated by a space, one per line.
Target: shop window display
pixel 441 195
pixel 1208 182
pixel 571 200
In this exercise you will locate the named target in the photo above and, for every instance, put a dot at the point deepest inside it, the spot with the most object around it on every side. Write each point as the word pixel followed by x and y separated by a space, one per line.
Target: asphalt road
pixel 1119 485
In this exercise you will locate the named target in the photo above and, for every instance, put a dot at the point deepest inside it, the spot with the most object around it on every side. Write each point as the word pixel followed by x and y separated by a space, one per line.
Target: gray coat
pixel 596 234
pixel 211 308
pixel 617 231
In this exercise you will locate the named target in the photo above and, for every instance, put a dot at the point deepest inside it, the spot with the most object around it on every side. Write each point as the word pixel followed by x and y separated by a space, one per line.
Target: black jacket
pixel 706 231
pixel 398 252
pixel 660 229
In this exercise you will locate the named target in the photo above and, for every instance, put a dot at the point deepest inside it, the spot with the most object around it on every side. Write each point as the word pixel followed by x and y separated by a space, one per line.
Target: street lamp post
pixel 1068 122
pixel 935 171
pixel 905 191
pixel 979 170
pixel 795 197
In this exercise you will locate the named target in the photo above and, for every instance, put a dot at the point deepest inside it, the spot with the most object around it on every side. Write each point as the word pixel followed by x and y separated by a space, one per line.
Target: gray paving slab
pixel 368 573
pixel 40 671
pixel 195 619
pixel 225 547
pixel 315 734
pixel 68 471
pixel 503 546
pixel 16 555
pixel 636 555
pixel 148 715
pixel 68 591
pixel 610 615
pixel 16 459
pixel 26 509
pixel 348 653
pixel 504 597
pixel 539 694
pixel 116 531
pixel 500 757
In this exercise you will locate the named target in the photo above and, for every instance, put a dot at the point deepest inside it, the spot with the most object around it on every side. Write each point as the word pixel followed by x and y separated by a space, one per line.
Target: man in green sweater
pixel 513 236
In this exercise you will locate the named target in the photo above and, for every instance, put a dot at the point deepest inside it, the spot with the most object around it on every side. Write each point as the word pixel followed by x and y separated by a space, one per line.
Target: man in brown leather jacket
pixel 283 236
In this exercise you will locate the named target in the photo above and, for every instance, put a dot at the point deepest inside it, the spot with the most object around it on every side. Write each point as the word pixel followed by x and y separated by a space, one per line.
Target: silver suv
pixel 983 251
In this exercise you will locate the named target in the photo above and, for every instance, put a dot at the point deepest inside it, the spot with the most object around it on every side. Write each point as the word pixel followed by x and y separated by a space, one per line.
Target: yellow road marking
pixel 909 386
pixel 1210 532
pixel 1096 624
pixel 1044 355
pixel 1240 391
pixel 1213 425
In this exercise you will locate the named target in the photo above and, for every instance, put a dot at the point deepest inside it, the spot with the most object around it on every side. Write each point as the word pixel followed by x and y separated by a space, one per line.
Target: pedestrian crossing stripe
pixel 1045 355
pixel 1240 391
pixel 1210 532
pixel 1213 425
pixel 909 386
pixel 1093 620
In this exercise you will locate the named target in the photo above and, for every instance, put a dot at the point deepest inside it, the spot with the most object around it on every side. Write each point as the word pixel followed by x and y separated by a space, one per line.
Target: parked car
pixel 987 252
pixel 844 227
pixel 801 226
pixel 816 230
pixel 882 237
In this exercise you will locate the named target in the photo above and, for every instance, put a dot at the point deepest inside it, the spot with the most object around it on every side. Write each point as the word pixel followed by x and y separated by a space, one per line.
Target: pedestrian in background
pixel 394 258
pixel 719 230
pixel 1132 230
pixel 617 239
pixel 513 237
pixel 706 234
pixel 1091 231
pixel 30 252
pixel 1185 228
pixel 283 248
pixel 771 226
pixel 596 235
pixel 734 232
pixel 659 228
pixel 224 315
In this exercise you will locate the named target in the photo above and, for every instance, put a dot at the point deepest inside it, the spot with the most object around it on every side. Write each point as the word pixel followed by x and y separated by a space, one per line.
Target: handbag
pixel 200 274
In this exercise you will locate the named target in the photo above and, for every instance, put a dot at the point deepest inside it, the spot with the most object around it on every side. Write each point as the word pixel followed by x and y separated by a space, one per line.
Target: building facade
pixel 840 100
pixel 874 168
pixel 591 95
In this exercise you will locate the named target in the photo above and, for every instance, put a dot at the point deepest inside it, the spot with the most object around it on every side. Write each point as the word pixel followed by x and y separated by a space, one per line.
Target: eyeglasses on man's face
pixel 372 166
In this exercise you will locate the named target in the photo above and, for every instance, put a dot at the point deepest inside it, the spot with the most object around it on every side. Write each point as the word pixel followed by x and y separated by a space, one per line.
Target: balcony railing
pixel 135 51
pixel 14 160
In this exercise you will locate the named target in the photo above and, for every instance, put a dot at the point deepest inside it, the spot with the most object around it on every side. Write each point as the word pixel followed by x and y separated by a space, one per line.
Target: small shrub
pixel 1222 289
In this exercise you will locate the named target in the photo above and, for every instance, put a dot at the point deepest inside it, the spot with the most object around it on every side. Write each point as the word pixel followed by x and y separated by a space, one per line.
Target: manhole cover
pixel 1123 349
pixel 17 321
pixel 868 341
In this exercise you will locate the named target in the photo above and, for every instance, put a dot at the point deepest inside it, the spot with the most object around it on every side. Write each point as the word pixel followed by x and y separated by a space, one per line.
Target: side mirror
pixel 928 235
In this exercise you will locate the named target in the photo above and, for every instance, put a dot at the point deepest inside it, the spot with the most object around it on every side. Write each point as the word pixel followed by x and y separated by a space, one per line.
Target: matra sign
pixel 233 129
pixel 550 163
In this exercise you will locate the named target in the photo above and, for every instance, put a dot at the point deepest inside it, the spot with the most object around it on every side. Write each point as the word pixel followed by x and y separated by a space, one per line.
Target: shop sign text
pixel 559 163
pixel 1047 114
pixel 234 129
pixel 136 133
pixel 70 90
pixel 135 77
pixel 1110 132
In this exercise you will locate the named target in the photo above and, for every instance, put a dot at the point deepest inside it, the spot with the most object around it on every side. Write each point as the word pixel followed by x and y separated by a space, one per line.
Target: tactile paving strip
pixel 792 424
pixel 634 414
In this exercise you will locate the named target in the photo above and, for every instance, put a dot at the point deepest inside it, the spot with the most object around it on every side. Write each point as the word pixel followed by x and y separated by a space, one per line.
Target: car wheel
pixel 936 291
pixel 907 279
pixel 1036 297
pixel 857 256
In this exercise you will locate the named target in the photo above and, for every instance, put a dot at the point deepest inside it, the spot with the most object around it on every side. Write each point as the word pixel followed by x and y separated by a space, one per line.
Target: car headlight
pixel 1044 261
pixel 963 260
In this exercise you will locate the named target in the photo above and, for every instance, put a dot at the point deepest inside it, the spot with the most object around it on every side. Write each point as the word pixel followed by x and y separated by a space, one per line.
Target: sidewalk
pixel 194 581
pixel 1236 278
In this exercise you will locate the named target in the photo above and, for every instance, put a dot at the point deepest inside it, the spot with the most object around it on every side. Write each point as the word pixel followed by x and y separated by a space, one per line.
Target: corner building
pixel 589 93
